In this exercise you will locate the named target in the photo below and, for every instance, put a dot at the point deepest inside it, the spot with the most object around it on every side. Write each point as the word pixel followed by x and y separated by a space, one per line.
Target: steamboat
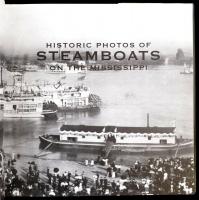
pixel 23 106
pixel 17 101
pixel 22 100
pixel 116 138
pixel 70 98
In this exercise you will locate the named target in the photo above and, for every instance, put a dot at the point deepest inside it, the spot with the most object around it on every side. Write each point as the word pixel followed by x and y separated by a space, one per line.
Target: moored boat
pixel 69 98
pixel 126 139
pixel 49 114
pixel 22 107
pixel 15 102
pixel 187 70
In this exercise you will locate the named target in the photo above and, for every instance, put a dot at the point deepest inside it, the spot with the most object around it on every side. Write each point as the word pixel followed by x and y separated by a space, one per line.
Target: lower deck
pixel 139 147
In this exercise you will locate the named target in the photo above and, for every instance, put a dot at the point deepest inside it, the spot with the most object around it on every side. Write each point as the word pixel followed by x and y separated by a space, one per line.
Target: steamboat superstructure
pixel 22 106
pixel 70 98
pixel 17 102
pixel 23 100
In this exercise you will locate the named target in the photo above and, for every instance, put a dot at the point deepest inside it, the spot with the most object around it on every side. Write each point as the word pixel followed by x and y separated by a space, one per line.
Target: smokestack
pixel 147 119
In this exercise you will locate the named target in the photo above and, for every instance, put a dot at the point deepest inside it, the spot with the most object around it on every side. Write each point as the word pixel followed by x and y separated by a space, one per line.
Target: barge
pixel 115 138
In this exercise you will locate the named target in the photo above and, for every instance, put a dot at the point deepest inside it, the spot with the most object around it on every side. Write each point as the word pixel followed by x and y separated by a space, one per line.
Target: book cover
pixel 97 99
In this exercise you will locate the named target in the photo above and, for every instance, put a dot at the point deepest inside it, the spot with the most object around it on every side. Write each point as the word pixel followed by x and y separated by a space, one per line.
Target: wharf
pixel 22 164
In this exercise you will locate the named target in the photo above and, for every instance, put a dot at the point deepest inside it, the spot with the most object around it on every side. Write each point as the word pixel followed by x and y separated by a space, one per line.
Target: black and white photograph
pixel 97 100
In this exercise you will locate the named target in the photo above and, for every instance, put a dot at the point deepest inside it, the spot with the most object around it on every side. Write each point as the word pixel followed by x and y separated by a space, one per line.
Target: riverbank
pixel 43 177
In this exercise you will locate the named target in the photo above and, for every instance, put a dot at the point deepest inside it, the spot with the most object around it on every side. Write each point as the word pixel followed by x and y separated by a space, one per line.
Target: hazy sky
pixel 24 28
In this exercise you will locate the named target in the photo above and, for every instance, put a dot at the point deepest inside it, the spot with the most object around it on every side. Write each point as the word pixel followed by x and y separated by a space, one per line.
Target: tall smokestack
pixel 147 119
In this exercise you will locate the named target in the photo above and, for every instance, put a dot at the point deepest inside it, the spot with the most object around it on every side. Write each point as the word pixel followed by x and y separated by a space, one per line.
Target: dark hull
pixel 79 108
pixel 51 115
pixel 186 73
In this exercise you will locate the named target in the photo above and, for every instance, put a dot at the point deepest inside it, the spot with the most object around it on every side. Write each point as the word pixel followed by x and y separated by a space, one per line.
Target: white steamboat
pixel 15 102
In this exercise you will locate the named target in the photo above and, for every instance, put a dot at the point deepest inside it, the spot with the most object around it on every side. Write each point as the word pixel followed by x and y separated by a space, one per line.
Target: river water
pixel 127 97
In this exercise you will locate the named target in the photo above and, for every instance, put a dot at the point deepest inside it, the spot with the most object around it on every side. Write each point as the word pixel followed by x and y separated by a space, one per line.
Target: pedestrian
pixel 86 162
pixel 92 163
pixel 113 174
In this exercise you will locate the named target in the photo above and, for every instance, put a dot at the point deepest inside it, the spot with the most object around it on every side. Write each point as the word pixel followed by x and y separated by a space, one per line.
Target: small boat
pixel 82 78
pixel 187 70
pixel 50 114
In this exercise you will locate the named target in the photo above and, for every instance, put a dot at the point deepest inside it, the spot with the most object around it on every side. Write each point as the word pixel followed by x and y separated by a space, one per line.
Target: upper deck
pixel 119 129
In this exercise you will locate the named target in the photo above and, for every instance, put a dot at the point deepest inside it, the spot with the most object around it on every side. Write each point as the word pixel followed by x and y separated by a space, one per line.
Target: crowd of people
pixel 2 157
pixel 157 176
